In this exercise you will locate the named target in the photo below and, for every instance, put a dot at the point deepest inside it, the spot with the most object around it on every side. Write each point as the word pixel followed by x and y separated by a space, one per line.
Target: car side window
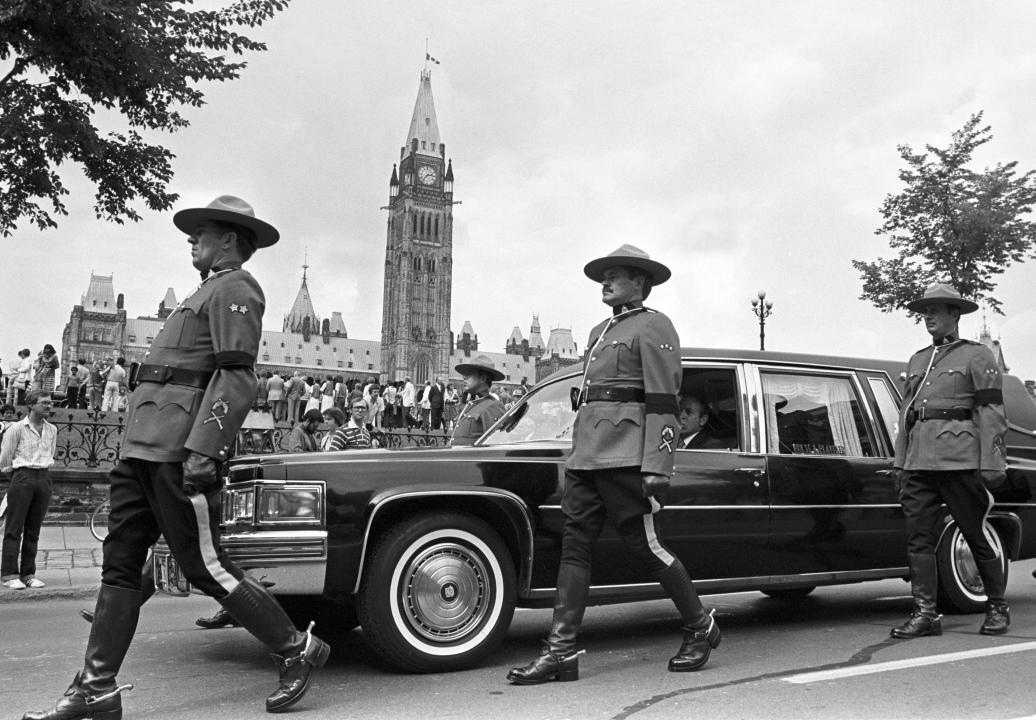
pixel 814 415
pixel 887 407
pixel 709 402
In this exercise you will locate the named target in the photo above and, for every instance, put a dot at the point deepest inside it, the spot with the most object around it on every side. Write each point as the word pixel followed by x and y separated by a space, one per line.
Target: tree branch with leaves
pixel 952 224
pixel 143 60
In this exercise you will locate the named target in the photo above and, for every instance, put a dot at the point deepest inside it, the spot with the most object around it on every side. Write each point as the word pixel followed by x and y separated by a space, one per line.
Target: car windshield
pixel 544 414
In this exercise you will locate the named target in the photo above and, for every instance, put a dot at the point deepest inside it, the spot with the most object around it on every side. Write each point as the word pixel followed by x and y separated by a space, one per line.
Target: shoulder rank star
pixel 234 307
pixel 666 346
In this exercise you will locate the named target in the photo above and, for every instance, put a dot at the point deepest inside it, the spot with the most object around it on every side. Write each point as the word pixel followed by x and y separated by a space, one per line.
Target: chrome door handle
pixel 886 473
pixel 754 472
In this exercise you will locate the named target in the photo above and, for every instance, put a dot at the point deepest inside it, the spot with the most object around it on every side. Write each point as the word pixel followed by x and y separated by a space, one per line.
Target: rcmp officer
pixel 950 444
pixel 624 436
pixel 484 409
pixel 195 388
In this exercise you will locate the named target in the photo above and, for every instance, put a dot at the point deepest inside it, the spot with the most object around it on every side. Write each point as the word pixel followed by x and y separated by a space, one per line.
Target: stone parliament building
pixel 417 339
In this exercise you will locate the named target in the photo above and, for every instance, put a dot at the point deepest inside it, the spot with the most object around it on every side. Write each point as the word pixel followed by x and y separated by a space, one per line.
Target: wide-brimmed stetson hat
pixel 229 209
pixel 630 256
pixel 942 293
pixel 480 363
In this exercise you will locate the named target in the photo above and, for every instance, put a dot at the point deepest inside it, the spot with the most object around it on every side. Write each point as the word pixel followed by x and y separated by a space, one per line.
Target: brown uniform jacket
pixel 475 418
pixel 637 348
pixel 215 329
pixel 963 374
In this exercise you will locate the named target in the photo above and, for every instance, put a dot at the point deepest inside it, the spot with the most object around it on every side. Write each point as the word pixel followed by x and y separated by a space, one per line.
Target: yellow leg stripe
pixel 652 537
pixel 208 550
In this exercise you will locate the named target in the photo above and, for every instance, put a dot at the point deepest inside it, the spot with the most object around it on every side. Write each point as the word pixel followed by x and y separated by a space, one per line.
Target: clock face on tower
pixel 426 174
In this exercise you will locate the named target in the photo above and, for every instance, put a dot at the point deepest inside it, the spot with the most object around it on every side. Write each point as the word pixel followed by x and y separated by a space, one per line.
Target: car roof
pixel 767 357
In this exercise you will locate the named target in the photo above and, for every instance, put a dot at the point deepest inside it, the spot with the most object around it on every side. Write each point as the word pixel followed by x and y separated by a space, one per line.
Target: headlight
pixel 289 505
pixel 238 505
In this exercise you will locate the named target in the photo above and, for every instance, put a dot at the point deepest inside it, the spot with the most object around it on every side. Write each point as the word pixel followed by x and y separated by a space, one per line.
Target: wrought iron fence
pixel 94 440
pixel 90 442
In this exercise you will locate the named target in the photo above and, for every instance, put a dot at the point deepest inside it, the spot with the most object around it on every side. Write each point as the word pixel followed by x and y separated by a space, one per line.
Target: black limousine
pixel 430 550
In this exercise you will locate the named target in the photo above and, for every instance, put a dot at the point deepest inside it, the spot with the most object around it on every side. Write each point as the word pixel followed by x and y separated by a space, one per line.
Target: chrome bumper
pixel 289 562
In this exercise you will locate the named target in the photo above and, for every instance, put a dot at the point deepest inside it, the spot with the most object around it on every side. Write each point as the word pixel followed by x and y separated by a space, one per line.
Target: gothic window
pixel 320 361
pixel 417 264
pixel 436 227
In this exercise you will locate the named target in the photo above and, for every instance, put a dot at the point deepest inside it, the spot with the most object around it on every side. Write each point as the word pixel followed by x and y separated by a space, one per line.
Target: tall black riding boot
pixel 925 618
pixel 559 659
pixel 147 589
pixel 94 693
pixel 998 612
pixel 701 633
pixel 296 653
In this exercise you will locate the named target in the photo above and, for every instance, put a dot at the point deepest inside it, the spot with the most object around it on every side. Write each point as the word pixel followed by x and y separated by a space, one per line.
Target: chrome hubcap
pixel 965 567
pixel 445 591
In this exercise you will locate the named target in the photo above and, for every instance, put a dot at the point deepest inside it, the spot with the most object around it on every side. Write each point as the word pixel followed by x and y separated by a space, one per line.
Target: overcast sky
pixel 747 145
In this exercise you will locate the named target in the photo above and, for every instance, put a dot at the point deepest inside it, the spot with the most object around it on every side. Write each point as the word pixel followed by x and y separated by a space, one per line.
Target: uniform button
pixel 924 401
pixel 593 358
pixel 615 342
pixel 929 383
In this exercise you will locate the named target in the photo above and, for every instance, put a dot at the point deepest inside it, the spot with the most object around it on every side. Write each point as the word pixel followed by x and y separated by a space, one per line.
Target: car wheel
pixel 789 593
pixel 960 586
pixel 332 615
pixel 439 593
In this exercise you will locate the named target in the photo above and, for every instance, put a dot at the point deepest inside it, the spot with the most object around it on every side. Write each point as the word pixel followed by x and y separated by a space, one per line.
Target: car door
pixel 829 473
pixel 716 519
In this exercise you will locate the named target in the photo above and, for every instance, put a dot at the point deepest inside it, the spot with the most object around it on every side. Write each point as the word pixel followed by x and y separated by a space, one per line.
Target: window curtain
pixel 833 393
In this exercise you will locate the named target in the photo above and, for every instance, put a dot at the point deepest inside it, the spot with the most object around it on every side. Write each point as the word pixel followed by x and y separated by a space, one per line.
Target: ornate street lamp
pixel 762 309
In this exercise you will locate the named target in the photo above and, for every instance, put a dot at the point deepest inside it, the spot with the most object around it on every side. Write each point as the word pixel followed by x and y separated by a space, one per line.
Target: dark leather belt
pixel 613 394
pixel 163 374
pixel 927 413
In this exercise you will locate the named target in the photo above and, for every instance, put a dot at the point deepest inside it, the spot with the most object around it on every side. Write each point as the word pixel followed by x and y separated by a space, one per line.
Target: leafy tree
pixel 140 60
pixel 951 224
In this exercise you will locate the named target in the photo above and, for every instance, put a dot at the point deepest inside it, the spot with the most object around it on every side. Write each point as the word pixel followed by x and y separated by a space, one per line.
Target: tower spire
pixel 423 134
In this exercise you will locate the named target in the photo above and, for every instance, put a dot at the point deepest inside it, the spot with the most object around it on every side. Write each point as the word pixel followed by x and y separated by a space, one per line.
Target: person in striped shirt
pixel 27 453
pixel 353 435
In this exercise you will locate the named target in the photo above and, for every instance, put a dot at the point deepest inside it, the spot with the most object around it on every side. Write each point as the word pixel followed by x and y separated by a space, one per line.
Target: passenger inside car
pixel 708 406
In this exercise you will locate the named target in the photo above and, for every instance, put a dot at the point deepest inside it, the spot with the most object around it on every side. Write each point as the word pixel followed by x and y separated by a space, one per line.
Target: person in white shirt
pixel 115 378
pixel 27 454
pixel 409 394
pixel 20 378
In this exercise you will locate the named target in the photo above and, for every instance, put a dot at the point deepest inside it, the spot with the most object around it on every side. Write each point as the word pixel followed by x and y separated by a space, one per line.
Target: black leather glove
pixel 655 485
pixel 200 474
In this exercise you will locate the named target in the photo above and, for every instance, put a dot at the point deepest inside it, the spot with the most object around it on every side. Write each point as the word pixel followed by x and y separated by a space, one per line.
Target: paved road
pixel 765 668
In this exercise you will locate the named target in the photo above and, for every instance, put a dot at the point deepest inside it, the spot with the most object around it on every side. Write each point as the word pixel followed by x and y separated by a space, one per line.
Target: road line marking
pixel 852 671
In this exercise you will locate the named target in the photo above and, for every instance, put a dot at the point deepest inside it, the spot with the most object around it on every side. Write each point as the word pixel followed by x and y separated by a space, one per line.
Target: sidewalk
pixel 68 560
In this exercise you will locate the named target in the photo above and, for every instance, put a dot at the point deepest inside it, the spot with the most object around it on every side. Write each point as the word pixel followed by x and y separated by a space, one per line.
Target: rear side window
pixel 887 407
pixel 814 415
